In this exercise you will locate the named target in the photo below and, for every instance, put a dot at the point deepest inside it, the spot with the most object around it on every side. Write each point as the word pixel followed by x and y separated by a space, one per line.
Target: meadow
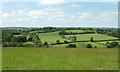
pixel 43 51
pixel 60 59
pixel 50 37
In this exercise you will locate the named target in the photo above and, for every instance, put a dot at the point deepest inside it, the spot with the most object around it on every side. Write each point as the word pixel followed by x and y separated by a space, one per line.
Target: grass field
pixel 81 45
pixel 50 37
pixel 78 31
pixel 84 37
pixel 60 59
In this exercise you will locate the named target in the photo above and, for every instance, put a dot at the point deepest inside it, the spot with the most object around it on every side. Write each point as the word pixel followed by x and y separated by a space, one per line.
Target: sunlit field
pixel 60 59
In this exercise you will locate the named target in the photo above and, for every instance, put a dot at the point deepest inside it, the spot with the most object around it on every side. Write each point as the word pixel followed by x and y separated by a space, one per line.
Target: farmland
pixel 60 59
pixel 52 48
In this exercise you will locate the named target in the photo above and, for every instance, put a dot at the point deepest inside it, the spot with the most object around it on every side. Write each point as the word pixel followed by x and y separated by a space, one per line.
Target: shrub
pixel 114 44
pixel 71 46
pixel 91 40
pixel 95 46
pixel 107 43
pixel 89 46
pixel 65 41
pixel 45 44
pixel 57 41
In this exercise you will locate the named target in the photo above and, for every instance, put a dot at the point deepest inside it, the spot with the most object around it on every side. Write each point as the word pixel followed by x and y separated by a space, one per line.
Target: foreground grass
pixel 60 59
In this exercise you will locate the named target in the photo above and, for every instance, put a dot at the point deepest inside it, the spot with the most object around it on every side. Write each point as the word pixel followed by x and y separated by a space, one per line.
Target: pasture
pixel 59 59
pixel 78 31
pixel 86 37
pixel 50 37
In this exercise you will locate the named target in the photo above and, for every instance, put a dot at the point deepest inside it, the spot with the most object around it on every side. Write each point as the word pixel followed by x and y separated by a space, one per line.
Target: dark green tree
pixel 89 46
pixel 91 39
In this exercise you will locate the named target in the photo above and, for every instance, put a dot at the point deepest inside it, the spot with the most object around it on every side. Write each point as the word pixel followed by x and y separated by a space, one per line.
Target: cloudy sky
pixel 59 13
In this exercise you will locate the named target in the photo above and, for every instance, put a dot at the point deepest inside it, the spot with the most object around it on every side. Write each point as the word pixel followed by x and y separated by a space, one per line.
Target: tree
pixel 65 41
pixel 114 44
pixel 71 46
pixel 57 41
pixel 91 40
pixel 45 44
pixel 19 39
pixel 37 40
pixel 89 46
pixel 74 38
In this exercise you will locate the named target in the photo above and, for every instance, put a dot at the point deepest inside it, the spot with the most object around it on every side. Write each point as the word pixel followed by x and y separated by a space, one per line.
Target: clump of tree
pixel 113 45
pixel 65 41
pixel 91 39
pixel 73 38
pixel 71 46
pixel 37 41
pixel 57 41
pixel 45 44
pixel 89 46
pixel 19 39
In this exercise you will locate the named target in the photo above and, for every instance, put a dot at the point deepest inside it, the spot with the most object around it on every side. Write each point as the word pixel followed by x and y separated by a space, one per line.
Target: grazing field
pixel 81 45
pixel 86 37
pixel 78 31
pixel 50 37
pixel 60 59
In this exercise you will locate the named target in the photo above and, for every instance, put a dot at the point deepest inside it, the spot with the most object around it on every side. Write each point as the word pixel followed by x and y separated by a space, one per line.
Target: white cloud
pixel 36 14
pixel 0 22
pixel 85 16
pixel 76 5
pixel 79 12
pixel 73 17
pixel 50 2
pixel 7 15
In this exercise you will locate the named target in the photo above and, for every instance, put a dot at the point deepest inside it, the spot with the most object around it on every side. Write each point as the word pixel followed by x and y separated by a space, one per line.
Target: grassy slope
pixel 78 31
pixel 80 45
pixel 60 59
pixel 82 37
pixel 50 37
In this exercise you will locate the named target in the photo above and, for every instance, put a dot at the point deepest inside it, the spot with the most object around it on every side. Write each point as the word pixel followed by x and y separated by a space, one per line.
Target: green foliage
pixel 71 46
pixel 65 41
pixel 37 40
pixel 89 46
pixel 91 39
pixel 19 39
pixel 57 41
pixel 45 44
pixel 73 38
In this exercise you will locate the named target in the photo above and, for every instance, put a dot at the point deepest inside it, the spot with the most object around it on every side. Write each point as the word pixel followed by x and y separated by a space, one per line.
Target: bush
pixel 65 41
pixel 95 46
pixel 58 42
pixel 107 43
pixel 45 44
pixel 89 46
pixel 114 44
pixel 91 40
pixel 71 46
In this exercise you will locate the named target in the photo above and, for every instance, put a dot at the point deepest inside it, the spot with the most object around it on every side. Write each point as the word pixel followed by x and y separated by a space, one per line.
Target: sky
pixel 59 13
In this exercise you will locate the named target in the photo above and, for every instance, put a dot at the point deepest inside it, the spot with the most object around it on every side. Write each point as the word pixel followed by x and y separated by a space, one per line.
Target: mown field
pixel 60 59
pixel 86 37
pixel 50 37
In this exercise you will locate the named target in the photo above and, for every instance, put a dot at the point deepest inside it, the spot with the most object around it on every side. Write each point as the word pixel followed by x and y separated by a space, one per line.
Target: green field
pixel 50 37
pixel 86 37
pixel 78 31
pixel 81 45
pixel 60 59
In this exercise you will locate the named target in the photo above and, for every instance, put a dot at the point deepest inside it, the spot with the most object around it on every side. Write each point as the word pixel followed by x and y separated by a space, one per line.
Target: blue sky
pixel 59 14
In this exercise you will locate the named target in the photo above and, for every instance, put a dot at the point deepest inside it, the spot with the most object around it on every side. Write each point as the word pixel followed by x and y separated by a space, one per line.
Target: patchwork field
pixel 50 37
pixel 60 59
pixel 86 37
pixel 78 31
